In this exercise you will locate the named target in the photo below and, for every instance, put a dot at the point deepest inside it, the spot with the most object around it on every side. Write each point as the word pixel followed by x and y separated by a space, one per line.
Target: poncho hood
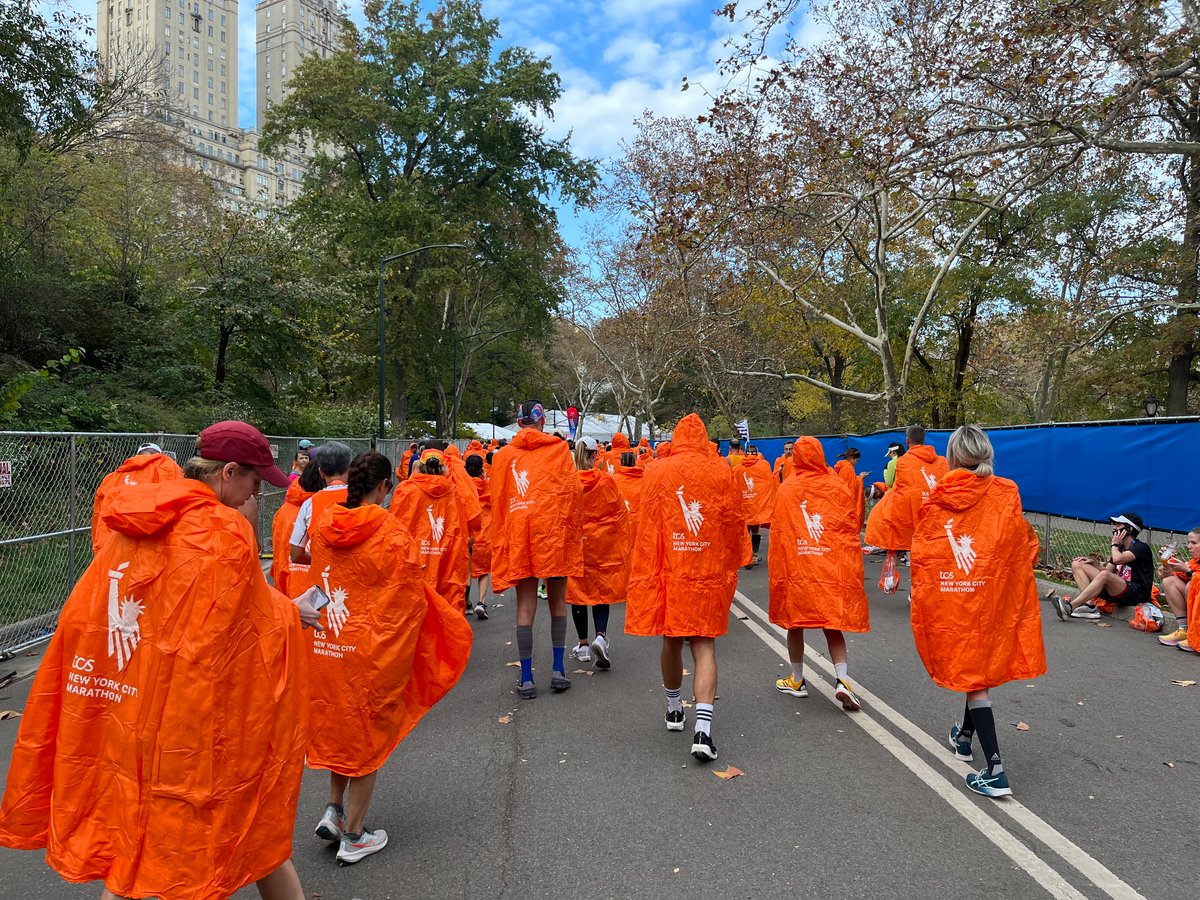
pixel 532 439
pixel 663 450
pixel 148 461
pixel 351 527
pixel 808 456
pixel 959 490
pixel 619 442
pixel 433 485
pixel 691 434
pixel 142 510
pixel 923 452
pixel 296 495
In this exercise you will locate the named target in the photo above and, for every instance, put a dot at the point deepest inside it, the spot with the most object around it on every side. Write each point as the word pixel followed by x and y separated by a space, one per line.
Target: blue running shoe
pixel 960 745
pixel 993 785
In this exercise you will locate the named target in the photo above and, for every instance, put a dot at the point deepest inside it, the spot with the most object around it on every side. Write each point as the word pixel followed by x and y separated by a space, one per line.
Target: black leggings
pixel 579 615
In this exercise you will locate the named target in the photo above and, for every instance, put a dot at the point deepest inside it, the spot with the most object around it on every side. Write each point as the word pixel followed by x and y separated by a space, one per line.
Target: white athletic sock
pixel 840 669
pixel 797 672
pixel 674 699
pixel 704 713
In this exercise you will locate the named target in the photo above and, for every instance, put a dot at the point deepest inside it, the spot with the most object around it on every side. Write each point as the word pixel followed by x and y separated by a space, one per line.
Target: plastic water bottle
pixel 889 581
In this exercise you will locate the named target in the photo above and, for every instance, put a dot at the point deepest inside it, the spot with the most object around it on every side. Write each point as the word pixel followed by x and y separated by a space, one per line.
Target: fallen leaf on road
pixel 504 720
pixel 1079 703
pixel 687 704
pixel 1169 765
pixel 1103 624
pixel 9 714
pixel 730 772
pixel 512 665
pixel 1021 726
pixel 1183 682
pixel 579 672
pixel 675 870
pixel 508 643
pixel 497 606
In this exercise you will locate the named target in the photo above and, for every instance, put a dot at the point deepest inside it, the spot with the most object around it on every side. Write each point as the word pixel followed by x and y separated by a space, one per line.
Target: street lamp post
pixel 383 261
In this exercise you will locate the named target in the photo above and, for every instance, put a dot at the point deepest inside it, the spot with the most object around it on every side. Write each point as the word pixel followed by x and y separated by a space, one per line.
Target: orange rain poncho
pixel 815 557
pixel 537 516
pixel 481 550
pixel 644 454
pixel 975 613
pixel 894 517
pixel 142 469
pixel 620 444
pixel 689 543
pixel 391 648
pixel 662 450
pixel 1193 611
pixel 162 744
pixel 281 536
pixel 466 487
pixel 431 509
pixel 629 481
pixel 782 469
pixel 845 469
pixel 759 487
pixel 605 543
pixel 405 463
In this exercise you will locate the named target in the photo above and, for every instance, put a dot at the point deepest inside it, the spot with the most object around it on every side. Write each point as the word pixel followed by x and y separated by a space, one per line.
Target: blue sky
pixel 616 59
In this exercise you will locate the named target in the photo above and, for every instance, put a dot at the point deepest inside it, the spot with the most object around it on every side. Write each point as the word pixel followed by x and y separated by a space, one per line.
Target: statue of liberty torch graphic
pixel 963 549
pixel 124 633
pixel 337 613
pixel 692 516
pixel 814 524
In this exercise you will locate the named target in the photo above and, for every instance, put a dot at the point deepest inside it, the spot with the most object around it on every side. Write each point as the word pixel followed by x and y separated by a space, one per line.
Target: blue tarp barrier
pixel 1086 471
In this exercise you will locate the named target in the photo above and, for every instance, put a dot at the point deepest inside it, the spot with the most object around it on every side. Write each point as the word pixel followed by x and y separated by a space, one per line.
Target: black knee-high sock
pixel 467 595
pixel 755 541
pixel 580 618
pixel 985 727
pixel 968 723
pixel 600 618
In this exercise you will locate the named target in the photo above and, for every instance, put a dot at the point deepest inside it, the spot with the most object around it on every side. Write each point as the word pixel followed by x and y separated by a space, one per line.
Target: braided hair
pixel 366 471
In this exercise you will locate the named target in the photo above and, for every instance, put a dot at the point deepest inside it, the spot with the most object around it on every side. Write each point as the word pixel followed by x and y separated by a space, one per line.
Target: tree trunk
pixel 400 398
pixel 225 333
pixel 962 356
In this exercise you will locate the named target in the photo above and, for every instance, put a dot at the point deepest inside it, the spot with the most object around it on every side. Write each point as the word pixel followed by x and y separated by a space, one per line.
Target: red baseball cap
pixel 237 442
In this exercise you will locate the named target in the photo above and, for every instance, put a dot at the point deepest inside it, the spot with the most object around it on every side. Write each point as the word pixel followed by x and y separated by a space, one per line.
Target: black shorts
pixel 1131 596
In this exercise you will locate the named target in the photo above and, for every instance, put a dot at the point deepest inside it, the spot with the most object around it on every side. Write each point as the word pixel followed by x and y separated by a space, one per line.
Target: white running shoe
pixel 351 851
pixel 332 824
pixel 1087 611
pixel 600 651
pixel 581 652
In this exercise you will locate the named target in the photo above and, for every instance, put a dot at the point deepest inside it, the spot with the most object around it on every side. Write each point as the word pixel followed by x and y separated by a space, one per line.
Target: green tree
pixel 426 132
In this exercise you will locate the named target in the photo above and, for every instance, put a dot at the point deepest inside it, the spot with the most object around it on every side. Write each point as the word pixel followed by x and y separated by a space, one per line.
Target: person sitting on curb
pixel 1124 580
pixel 1176 579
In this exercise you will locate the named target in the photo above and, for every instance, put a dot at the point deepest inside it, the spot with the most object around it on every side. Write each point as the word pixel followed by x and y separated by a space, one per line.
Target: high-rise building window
pixel 210 101
pixel 210 81
pixel 210 31
pixel 210 14
pixel 210 65
pixel 195 93
pixel 222 37
pixel 169 14
pixel 181 56
pixel 167 30
pixel 222 70
pixel 195 77
pixel 181 88
pixel 222 88
pixel 210 49
pixel 222 20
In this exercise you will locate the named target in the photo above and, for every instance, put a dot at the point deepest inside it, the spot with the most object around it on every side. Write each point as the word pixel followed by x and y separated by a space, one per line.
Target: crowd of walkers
pixel 182 695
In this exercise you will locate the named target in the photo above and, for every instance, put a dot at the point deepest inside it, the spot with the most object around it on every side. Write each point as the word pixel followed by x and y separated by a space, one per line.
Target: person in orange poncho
pixel 432 509
pixel 845 469
pixel 537 532
pixel 457 470
pixel 1178 578
pixel 283 570
pixel 148 465
pixel 333 462
pixel 162 745
pixel 689 541
pixel 612 459
pixel 605 555
pixel 481 546
pixel 1192 644
pixel 975 608
pixel 643 453
pixel 391 647
pixel 759 488
pixel 816 567
pixel 735 453
pixel 404 469
pixel 662 450
pixel 629 479
pixel 783 466
pixel 892 520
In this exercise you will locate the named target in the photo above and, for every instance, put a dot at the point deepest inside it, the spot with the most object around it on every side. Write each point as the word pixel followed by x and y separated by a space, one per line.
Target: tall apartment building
pixel 283 39
pixel 197 40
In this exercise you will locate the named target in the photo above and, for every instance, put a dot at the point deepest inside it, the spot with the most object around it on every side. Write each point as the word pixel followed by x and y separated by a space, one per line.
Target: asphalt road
pixel 587 794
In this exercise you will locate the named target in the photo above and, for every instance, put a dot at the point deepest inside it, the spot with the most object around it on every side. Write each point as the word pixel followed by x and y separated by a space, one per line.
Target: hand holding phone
pixel 309 605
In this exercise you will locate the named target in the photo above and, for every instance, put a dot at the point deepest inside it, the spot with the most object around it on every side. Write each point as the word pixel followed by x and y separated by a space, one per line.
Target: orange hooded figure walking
pixel 845 470
pixel 391 647
pixel 975 613
pixel 162 744
pixel 630 480
pixel 662 450
pixel 815 557
pixel 481 550
pixel 753 475
pixel 689 542
pixel 431 509
pixel 894 517
pixel 281 537
pixel 620 444
pixel 605 543
pixel 145 468
pixel 537 515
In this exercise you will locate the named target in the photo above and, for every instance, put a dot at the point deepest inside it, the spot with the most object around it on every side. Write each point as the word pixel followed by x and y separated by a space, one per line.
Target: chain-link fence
pixel 48 482
pixel 1062 539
